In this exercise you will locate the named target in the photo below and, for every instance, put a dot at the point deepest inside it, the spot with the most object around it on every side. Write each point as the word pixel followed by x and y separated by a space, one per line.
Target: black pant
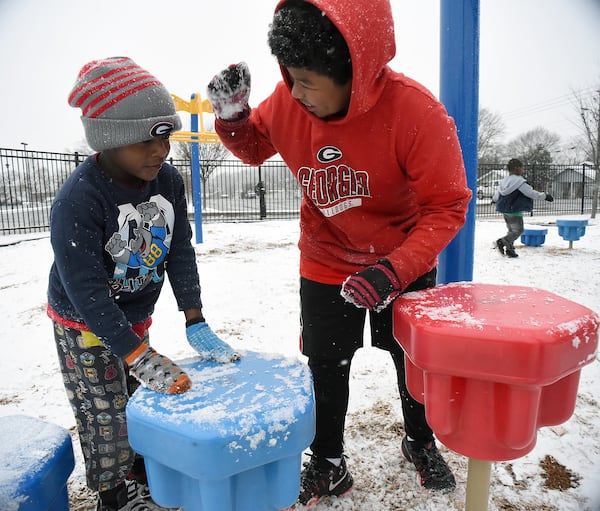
pixel 332 331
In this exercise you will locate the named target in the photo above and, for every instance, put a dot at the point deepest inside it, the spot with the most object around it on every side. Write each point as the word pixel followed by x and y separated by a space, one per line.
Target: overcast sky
pixel 534 55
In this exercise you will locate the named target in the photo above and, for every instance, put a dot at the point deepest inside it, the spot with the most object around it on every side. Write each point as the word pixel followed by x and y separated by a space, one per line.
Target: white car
pixel 486 190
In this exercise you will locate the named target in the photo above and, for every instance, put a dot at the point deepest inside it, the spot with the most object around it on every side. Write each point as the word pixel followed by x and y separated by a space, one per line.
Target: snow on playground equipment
pixel 37 459
pixel 571 229
pixel 493 364
pixel 234 442
pixel 534 235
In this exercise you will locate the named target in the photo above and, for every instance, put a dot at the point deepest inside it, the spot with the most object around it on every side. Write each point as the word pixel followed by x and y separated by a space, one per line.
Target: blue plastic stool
pixel 571 229
pixel 533 236
pixel 37 460
pixel 234 442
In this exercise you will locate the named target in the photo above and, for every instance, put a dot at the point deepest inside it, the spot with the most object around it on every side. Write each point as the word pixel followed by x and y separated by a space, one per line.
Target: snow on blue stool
pixel 233 442
pixel 534 235
pixel 571 229
pixel 37 460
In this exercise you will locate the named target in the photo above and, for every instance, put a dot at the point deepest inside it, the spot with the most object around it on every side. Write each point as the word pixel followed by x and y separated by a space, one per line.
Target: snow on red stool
pixel 493 363
pixel 233 442
pixel 37 460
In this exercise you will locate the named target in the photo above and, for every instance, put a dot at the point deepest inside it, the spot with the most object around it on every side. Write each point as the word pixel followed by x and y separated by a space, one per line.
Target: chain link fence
pixel 231 191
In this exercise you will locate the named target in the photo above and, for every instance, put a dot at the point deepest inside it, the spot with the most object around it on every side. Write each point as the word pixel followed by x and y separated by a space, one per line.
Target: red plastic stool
pixel 493 364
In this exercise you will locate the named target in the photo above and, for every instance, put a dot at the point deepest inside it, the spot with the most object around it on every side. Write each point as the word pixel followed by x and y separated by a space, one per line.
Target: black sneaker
pixel 500 246
pixel 434 473
pixel 510 252
pixel 321 478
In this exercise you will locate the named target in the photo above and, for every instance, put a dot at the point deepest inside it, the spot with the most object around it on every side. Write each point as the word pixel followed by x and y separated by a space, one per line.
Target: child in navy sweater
pixel 117 225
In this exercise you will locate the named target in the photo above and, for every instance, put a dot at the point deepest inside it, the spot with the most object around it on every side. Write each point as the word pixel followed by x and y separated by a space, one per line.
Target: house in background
pixel 574 182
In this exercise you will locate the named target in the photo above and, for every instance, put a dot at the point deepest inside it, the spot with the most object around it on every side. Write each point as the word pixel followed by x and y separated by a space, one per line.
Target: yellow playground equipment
pixel 196 107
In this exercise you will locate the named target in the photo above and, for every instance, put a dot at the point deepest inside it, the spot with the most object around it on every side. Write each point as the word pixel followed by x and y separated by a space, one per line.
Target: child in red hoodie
pixel 384 192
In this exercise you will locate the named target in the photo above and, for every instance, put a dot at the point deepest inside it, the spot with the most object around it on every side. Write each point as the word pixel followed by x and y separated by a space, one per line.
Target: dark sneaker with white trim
pixel 322 478
pixel 434 473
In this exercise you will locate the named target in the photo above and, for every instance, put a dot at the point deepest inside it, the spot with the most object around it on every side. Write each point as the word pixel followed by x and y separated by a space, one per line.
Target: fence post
pixel 583 190
pixel 260 189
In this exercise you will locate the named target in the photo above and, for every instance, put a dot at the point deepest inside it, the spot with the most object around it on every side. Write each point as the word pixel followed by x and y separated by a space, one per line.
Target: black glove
pixel 549 197
pixel 374 288
pixel 228 92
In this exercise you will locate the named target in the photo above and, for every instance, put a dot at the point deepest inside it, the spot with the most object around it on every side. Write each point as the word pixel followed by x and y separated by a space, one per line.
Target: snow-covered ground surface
pixel 249 276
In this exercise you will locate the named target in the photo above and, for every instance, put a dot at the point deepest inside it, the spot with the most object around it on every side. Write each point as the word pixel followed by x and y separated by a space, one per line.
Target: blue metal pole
pixel 196 182
pixel 459 91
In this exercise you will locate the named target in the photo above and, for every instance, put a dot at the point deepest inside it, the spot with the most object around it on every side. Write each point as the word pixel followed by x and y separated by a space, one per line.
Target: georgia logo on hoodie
pixel 335 188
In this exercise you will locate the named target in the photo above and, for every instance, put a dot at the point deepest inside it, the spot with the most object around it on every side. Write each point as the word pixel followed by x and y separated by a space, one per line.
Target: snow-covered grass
pixel 249 277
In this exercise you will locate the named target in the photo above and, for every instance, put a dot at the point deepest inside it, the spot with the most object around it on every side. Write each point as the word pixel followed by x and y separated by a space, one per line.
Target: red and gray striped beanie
pixel 122 104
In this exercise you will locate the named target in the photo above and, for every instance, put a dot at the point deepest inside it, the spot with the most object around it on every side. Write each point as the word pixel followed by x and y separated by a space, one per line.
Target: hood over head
pixel 368 29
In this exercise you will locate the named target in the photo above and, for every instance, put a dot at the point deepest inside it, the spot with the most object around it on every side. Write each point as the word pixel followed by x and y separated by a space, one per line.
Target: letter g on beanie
pixel 122 104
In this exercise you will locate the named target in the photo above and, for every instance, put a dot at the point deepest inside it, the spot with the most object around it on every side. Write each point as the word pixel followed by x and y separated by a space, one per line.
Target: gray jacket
pixel 512 183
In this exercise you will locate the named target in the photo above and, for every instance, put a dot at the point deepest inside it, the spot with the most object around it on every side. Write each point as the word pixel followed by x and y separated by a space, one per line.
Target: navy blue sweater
pixel 112 246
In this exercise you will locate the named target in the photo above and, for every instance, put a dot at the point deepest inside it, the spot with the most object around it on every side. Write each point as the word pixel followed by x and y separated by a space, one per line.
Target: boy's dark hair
pixel 302 36
pixel 513 164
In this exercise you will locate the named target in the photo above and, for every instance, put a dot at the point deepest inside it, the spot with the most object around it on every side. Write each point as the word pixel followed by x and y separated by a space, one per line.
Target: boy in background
pixel 513 196
pixel 384 191
pixel 117 225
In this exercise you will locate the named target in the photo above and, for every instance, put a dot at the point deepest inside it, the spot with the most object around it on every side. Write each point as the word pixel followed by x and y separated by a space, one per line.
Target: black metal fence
pixel 572 187
pixel 233 192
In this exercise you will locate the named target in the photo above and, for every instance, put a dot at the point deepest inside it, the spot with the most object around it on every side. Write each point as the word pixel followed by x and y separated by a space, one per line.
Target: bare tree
pixel 535 149
pixel 535 146
pixel 211 158
pixel 588 109
pixel 491 128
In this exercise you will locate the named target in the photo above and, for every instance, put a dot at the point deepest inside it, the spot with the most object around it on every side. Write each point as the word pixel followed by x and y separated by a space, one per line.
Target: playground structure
pixel 534 235
pixel 234 441
pixel 37 460
pixel 197 135
pixel 196 107
pixel 490 371
pixel 571 229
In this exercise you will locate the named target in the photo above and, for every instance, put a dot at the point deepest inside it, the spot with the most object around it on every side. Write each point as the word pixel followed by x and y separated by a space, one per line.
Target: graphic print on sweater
pixel 335 188
pixel 141 244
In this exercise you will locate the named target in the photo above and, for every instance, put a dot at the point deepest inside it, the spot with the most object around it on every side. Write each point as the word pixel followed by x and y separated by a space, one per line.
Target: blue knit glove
pixel 208 345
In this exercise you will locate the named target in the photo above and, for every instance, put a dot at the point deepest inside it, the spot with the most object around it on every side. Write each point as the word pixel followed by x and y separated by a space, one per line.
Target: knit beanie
pixel 122 104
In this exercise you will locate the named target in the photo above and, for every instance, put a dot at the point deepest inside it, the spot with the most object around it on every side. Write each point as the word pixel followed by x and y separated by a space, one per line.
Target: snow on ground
pixel 249 276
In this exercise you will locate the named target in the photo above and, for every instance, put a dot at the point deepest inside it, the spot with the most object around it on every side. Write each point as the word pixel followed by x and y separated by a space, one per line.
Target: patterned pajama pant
pixel 98 388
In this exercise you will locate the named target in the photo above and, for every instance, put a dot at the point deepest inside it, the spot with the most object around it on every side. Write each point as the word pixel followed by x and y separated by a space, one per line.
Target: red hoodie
pixel 385 181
